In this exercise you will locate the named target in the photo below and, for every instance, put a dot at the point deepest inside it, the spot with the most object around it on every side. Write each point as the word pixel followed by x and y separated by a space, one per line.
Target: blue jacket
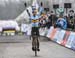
pixel 62 22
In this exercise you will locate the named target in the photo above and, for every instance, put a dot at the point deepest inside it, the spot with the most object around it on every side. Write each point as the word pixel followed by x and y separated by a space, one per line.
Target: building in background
pixel 10 9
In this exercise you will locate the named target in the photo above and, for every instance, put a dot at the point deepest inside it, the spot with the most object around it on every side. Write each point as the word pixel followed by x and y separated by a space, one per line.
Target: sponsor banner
pixel 64 41
pixel 9 31
pixel 49 31
pixel 56 35
pixel 60 36
pixel 43 32
pixel 73 44
pixel 53 34
pixel 9 24
pixel 70 40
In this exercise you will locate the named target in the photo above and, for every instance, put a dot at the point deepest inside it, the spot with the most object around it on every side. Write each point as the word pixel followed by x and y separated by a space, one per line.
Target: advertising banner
pixel 60 36
pixel 64 41
pixel 70 40
pixel 49 31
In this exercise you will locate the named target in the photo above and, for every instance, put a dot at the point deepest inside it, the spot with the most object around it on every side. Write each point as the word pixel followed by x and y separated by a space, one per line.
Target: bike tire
pixel 35 46
pixel 35 51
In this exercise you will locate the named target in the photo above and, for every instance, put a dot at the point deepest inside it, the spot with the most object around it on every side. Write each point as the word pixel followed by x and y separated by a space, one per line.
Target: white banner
pixel 60 36
pixel 24 28
pixel 9 24
pixel 49 31
pixel 43 32
pixel 56 35
pixel 73 44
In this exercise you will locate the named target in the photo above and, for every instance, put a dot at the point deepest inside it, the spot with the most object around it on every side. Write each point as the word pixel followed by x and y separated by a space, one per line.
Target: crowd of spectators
pixel 64 22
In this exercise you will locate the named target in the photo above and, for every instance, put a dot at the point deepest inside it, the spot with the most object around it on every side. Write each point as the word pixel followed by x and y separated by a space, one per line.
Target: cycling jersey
pixel 34 21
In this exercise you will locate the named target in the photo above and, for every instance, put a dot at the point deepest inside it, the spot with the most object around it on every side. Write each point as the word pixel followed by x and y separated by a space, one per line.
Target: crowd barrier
pixel 62 37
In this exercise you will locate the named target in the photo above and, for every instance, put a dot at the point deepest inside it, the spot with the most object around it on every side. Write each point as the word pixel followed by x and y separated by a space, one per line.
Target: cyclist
pixel 34 19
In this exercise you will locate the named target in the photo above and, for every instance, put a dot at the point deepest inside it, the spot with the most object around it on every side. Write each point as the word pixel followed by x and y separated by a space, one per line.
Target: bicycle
pixel 35 38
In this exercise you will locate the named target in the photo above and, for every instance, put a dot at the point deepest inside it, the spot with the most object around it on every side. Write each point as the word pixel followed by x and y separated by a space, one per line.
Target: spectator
pixel 53 17
pixel 50 19
pixel 70 22
pixel 43 20
pixel 61 23
pixel 48 24
pixel 71 14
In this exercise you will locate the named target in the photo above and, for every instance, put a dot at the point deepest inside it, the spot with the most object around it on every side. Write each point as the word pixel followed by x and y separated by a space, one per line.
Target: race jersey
pixel 34 21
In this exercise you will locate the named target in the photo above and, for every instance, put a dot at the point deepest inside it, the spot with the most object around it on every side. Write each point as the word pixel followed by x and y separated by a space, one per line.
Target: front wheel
pixel 35 47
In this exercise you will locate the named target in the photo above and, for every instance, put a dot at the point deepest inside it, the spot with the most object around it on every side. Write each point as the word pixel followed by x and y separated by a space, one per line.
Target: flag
pixel 35 4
